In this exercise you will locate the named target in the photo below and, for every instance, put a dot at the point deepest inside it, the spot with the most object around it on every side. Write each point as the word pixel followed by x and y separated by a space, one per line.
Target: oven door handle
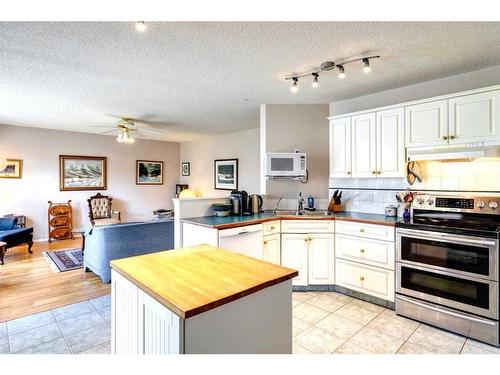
pixel 447 312
pixel 444 236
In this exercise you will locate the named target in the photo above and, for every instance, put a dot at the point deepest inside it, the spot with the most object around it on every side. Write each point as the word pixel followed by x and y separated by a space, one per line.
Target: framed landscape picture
pixel 12 169
pixel 226 174
pixel 82 173
pixel 186 168
pixel 149 172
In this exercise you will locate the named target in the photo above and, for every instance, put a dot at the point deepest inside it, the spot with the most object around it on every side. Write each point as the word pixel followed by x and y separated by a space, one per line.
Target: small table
pixel 3 248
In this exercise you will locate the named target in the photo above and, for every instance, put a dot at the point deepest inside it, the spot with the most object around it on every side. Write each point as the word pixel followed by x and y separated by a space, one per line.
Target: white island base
pixel 260 322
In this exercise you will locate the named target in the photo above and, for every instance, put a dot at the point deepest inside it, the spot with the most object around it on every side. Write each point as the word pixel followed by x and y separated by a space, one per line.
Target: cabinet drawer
pixel 271 227
pixel 307 226
pixel 364 250
pixel 374 281
pixel 377 232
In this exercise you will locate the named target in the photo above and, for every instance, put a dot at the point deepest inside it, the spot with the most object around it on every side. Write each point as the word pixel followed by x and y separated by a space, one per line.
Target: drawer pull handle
pixel 272 228
pixel 373 172
pixel 348 172
pixel 361 230
pixel 265 242
pixel 379 172
pixel 361 251
pixel 445 138
pixel 452 137
pixel 361 278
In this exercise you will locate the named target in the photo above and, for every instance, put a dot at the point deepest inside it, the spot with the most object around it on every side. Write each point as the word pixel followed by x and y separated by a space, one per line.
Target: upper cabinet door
pixel 340 148
pixel 390 143
pixel 427 124
pixel 363 146
pixel 475 118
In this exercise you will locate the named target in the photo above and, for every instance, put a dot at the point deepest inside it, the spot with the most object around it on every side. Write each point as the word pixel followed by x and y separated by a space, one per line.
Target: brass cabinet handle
pixel 361 230
pixel 361 250
pixel 379 172
pixel 272 228
pixel 445 138
pixel 452 137
pixel 348 172
pixel 361 278
pixel 265 242
pixel 373 172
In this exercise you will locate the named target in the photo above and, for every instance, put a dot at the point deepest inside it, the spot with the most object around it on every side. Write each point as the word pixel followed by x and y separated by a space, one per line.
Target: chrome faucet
pixel 277 204
pixel 300 208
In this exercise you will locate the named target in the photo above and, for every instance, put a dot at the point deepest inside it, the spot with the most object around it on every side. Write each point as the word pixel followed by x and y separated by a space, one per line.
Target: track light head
pixel 366 66
pixel 315 80
pixel 295 86
pixel 341 72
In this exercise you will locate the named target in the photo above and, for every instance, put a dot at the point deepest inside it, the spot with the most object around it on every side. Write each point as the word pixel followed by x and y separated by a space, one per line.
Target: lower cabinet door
pixel 272 249
pixel 160 329
pixel 374 281
pixel 294 255
pixel 321 258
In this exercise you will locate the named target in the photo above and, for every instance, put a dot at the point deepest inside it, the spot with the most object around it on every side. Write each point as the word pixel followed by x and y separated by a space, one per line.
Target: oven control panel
pixel 487 205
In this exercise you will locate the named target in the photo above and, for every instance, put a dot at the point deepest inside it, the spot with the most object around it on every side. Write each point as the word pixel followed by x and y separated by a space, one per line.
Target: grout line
pixel 62 333
pixel 405 341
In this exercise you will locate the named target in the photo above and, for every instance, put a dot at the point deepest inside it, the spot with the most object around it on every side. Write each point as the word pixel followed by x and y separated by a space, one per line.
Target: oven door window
pixel 469 292
pixel 460 257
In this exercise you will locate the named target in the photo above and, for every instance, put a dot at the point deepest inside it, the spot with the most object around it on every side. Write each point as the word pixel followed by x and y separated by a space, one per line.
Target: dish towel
pixel 413 172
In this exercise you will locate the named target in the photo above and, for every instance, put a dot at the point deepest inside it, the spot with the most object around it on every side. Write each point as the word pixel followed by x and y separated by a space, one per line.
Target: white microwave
pixel 285 164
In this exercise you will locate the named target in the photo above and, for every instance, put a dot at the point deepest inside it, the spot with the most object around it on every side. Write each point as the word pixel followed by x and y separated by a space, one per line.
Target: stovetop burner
pixel 466 216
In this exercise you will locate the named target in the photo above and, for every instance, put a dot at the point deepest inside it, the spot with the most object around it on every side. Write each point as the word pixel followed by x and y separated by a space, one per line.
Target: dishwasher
pixel 245 240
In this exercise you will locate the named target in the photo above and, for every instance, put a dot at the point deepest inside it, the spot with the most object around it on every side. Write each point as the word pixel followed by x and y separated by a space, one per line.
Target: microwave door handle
pixel 451 313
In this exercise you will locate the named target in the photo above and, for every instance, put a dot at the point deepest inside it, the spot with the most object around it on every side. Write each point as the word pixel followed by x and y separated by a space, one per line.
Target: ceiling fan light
pixel 295 86
pixel 315 80
pixel 119 139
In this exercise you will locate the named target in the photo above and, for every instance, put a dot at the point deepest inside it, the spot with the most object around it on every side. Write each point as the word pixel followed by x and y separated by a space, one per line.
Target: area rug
pixel 64 260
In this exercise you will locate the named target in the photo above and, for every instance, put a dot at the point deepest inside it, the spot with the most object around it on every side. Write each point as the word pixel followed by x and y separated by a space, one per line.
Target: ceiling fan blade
pixel 152 130
pixel 102 126
pixel 108 131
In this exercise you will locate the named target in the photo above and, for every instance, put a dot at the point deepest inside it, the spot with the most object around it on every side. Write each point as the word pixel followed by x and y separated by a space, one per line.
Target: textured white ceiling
pixel 194 77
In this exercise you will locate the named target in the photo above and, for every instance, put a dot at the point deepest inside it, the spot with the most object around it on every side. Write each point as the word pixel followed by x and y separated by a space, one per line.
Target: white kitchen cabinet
pixel 427 124
pixel 321 258
pixel 390 145
pixel 474 118
pixel 271 227
pixel 374 281
pixel 294 254
pixel 308 226
pixel 373 231
pixel 363 250
pixel 340 148
pixel 272 248
pixel 363 145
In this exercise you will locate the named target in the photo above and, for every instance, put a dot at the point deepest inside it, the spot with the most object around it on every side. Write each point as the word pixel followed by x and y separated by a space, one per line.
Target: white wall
pixel 40 150
pixel 460 82
pixel 298 126
pixel 243 145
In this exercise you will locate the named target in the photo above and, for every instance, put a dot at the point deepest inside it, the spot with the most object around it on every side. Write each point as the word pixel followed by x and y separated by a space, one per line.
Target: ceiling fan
pixel 127 127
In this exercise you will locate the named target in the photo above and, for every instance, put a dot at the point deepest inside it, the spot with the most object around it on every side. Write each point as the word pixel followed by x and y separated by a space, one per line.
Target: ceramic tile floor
pixel 83 327
pixel 323 322
pixel 329 322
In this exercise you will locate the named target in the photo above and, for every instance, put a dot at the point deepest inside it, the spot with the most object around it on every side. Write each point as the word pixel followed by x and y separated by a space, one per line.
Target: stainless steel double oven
pixel 448 276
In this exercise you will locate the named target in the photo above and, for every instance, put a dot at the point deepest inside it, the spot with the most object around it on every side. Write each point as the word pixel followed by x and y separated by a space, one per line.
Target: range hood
pixel 455 152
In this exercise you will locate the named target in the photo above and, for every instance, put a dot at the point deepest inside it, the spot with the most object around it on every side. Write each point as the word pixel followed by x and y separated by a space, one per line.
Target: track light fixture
pixel 366 66
pixel 328 66
pixel 315 80
pixel 341 72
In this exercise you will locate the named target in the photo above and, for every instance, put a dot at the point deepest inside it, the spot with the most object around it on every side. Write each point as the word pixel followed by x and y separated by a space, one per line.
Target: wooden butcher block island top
pixel 196 279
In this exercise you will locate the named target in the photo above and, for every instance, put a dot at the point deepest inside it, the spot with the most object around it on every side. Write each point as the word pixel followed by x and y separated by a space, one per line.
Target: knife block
pixel 337 208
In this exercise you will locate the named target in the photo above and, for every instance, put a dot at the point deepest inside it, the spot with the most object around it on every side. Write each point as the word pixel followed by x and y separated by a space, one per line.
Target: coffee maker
pixel 239 201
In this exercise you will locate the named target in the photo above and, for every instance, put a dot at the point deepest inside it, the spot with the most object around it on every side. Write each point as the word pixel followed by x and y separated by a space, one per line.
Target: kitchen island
pixel 200 299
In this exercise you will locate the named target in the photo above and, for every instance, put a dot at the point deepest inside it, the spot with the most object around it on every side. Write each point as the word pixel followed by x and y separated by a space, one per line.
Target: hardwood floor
pixel 28 285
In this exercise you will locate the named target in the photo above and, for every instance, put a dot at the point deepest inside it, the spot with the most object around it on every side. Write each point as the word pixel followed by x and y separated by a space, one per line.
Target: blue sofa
pixel 106 243
pixel 14 235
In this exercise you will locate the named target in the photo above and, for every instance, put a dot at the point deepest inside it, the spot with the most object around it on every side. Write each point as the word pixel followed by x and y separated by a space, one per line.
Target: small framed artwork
pixel 186 168
pixel 12 169
pixel 226 174
pixel 82 173
pixel 149 172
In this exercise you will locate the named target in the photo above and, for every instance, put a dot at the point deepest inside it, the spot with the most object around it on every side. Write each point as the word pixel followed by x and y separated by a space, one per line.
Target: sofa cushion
pixel 8 223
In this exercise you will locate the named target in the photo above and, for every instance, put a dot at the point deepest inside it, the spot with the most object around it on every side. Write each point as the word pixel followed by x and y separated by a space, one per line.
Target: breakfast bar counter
pixel 200 299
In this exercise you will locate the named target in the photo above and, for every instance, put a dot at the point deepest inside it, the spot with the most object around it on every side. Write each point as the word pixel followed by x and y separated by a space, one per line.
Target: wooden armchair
pixel 100 212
